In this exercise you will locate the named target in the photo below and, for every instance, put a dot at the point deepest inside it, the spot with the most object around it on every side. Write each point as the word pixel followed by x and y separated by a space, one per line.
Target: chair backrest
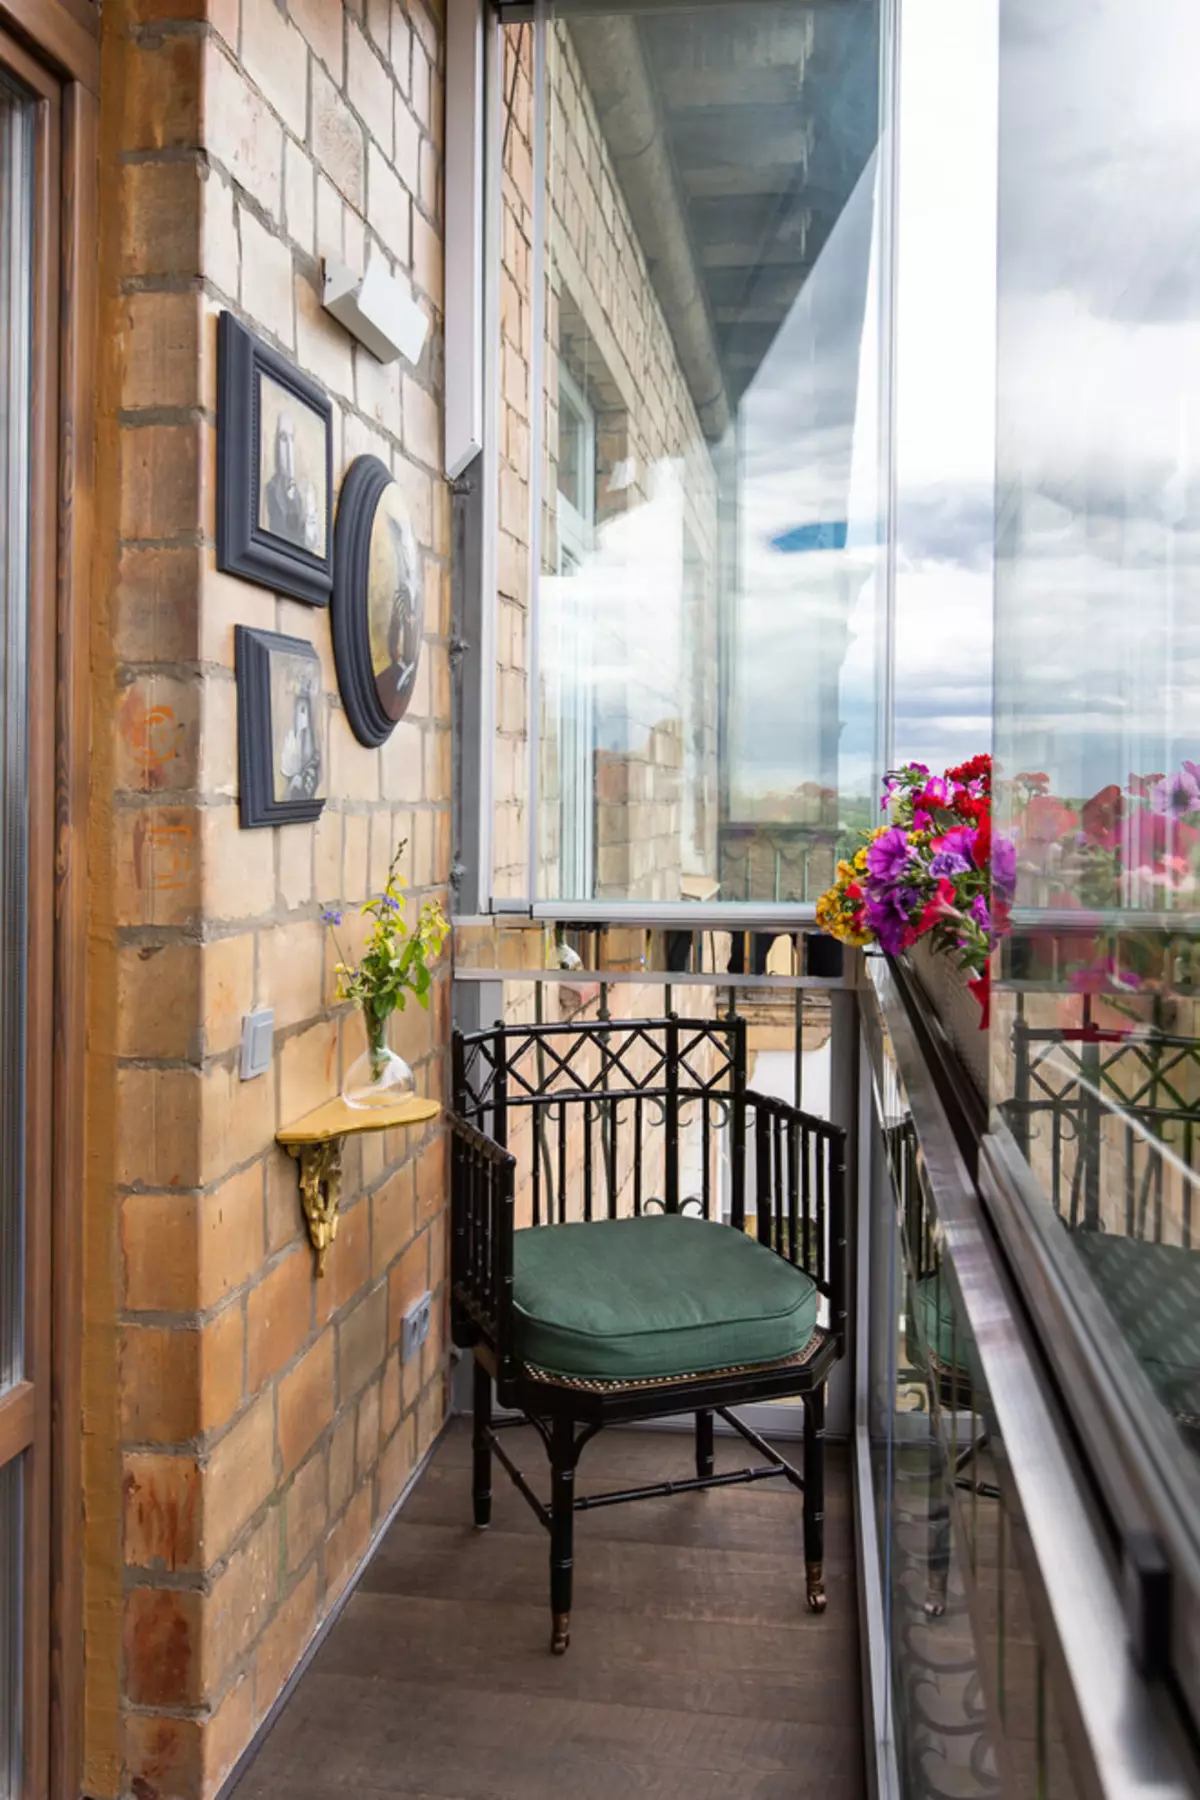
pixel 613 1118
pixel 610 1118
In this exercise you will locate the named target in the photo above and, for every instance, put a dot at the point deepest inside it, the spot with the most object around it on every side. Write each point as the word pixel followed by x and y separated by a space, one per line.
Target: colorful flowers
pixel 928 873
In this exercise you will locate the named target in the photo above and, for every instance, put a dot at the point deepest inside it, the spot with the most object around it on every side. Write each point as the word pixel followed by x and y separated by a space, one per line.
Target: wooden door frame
pixel 53 46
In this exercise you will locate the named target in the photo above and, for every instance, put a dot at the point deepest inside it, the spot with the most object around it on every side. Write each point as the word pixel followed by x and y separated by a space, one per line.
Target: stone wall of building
pixel 247 1427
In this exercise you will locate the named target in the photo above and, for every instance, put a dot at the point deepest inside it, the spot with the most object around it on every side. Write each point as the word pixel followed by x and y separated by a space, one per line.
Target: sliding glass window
pixel 688 448
pixel 1096 1022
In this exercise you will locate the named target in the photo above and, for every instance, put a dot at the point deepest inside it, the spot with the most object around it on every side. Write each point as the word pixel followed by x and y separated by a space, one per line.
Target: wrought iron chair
pixel 587 1293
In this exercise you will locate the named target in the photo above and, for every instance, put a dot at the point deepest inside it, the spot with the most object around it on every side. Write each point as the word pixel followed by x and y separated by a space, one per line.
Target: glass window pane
pixel 945 370
pixel 1096 1033
pixel 695 591
pixel 16 223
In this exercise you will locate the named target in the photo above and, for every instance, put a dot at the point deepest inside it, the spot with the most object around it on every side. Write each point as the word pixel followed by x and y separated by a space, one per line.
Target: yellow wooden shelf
pixel 316 1143
pixel 338 1119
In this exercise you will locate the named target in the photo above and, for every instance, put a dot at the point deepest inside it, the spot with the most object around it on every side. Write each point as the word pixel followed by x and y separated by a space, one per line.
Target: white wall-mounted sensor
pixel 376 309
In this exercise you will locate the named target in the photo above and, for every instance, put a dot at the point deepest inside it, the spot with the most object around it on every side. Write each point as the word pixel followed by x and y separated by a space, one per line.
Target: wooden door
pixel 30 344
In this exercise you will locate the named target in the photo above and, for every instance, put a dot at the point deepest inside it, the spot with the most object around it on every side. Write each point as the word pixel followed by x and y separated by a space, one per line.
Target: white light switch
pixel 258 1036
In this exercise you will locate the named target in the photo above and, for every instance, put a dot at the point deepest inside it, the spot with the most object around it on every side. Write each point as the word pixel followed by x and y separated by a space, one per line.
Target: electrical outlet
pixel 414 1328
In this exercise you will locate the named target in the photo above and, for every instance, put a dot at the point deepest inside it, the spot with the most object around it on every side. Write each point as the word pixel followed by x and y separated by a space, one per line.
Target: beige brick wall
pixel 247 1427
pixel 603 315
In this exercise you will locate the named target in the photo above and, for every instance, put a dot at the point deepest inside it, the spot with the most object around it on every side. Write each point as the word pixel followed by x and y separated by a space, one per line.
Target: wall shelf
pixel 316 1142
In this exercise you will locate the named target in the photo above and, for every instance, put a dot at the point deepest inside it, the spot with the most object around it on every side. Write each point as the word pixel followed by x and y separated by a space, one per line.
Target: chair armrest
pixel 799 1165
pixel 481 1251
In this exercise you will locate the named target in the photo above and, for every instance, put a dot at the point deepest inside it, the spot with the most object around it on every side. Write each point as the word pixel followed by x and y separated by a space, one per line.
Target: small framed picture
pixel 378 615
pixel 281 755
pixel 274 469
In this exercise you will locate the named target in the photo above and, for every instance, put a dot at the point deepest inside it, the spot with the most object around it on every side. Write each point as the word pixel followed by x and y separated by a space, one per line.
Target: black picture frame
pixel 375 694
pixel 246 546
pixel 264 735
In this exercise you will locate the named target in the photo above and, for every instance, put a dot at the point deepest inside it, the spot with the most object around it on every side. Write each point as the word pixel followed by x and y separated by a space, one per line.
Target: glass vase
pixel 378 1077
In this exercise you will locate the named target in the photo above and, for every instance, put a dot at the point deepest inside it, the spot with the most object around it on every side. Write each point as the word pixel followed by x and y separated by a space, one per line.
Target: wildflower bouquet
pixel 395 962
pixel 930 873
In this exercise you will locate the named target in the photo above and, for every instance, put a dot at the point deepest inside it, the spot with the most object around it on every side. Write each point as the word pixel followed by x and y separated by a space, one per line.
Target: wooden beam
pixel 18 1412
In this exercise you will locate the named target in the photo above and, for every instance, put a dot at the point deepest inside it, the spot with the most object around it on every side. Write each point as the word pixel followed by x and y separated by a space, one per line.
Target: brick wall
pixel 247 1428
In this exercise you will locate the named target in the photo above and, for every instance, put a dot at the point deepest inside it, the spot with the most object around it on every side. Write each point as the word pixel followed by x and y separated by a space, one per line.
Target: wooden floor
pixel 694 1673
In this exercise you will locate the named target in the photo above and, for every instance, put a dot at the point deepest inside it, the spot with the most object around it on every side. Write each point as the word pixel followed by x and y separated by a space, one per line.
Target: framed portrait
pixel 281 753
pixel 274 469
pixel 378 609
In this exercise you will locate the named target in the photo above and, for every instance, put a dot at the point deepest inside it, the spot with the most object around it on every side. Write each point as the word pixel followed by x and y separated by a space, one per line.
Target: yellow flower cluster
pixel 836 911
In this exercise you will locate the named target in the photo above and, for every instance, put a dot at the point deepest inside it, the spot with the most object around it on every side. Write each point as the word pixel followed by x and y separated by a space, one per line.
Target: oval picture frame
pixel 377 609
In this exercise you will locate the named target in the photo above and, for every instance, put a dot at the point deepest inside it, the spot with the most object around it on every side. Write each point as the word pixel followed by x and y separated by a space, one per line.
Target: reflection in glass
pixel 16 261
pixel 694 587
pixel 973 1708
pixel 1096 1037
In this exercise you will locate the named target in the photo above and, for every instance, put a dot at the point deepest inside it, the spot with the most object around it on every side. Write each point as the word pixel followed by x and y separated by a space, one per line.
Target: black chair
pixel 593 1288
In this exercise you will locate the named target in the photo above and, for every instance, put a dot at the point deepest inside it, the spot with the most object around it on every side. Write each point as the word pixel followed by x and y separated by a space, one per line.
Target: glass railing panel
pixel 1095 1036
pixel 973 1705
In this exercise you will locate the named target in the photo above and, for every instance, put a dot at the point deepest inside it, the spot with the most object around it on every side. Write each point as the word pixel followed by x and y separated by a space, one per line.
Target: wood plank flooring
pixel 695 1671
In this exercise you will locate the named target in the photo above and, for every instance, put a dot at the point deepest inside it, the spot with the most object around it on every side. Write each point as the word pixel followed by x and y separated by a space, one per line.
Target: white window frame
pixel 576 540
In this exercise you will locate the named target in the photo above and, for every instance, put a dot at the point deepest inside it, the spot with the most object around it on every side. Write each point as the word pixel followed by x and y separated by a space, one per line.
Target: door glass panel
pixel 16 264
pixel 10 1628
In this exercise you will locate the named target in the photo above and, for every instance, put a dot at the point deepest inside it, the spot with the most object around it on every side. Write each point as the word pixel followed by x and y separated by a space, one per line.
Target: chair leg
pixel 814 1498
pixel 704 1444
pixel 562 1531
pixel 481 1445
pixel 939 1522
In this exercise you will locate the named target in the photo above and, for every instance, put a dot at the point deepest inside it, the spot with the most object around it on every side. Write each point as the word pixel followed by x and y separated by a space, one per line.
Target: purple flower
pixel 389 904
pixel 960 841
pixel 1176 794
pixel 887 857
pixel 979 912
pixel 887 915
pixel 948 862
pixel 332 916
pixel 1004 867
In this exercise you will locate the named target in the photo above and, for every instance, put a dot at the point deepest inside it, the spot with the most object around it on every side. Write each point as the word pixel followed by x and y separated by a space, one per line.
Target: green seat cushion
pixel 1153 1293
pixel 938 1331
pixel 663 1295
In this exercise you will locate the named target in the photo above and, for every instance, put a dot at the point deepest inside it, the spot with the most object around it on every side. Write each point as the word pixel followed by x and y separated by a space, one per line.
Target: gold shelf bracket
pixel 316 1142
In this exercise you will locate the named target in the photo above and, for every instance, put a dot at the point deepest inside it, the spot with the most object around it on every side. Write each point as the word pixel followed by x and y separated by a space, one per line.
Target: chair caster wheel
pixel 817 1602
pixel 935 1609
pixel 560 1635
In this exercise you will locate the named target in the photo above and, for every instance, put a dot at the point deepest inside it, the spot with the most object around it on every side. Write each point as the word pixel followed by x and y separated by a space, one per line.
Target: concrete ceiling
pixel 738 132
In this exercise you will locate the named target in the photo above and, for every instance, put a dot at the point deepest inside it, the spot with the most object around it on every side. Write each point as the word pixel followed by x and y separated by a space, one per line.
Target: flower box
pixel 944 985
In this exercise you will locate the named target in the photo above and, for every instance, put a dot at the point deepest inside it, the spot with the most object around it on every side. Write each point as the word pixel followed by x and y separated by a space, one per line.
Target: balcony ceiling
pixel 739 133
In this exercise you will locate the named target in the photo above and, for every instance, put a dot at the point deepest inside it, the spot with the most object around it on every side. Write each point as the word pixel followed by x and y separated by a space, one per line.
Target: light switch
pixel 258 1036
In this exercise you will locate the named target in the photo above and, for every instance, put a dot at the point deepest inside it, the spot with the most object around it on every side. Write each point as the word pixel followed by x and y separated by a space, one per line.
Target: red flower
pixel 1047 819
pixel 1102 815
pixel 968 807
pixel 983 842
pixel 981 987
pixel 936 908
pixel 978 769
